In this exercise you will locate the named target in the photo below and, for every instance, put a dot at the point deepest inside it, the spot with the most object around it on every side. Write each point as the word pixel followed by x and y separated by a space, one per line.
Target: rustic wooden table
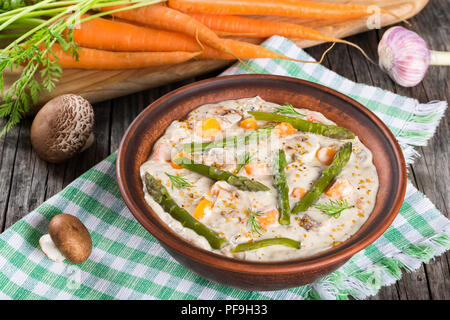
pixel 26 181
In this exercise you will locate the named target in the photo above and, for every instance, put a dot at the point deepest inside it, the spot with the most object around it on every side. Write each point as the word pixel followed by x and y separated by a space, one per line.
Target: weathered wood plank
pixel 432 169
pixel 9 150
pixel 22 177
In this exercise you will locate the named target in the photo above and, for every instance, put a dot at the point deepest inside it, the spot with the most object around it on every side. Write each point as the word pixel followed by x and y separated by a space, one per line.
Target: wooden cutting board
pixel 98 85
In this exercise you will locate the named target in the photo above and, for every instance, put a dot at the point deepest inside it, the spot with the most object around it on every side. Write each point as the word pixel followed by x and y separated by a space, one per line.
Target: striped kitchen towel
pixel 128 263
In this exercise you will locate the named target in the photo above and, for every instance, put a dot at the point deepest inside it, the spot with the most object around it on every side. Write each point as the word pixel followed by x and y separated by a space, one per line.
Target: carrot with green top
pixel 103 34
pixel 108 60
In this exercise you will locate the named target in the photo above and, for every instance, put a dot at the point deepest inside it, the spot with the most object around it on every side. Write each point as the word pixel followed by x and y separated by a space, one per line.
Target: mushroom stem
pixel 49 248
pixel 440 58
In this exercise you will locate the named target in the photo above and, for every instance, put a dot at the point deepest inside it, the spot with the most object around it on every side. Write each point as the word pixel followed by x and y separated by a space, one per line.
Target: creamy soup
pixel 241 216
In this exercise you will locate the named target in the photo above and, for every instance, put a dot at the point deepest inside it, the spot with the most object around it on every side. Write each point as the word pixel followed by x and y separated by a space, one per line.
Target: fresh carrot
pixel 109 60
pixel 287 8
pixel 300 9
pixel 246 50
pixel 112 35
pixel 262 28
pixel 162 17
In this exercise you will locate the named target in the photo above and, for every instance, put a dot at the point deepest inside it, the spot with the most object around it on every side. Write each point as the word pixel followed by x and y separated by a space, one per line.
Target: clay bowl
pixel 138 141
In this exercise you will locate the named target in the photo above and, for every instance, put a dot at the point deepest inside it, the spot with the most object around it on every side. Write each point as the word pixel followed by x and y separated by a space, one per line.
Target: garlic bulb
pixel 405 56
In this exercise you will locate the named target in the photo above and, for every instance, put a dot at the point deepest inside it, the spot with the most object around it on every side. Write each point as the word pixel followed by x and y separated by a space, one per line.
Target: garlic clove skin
pixel 404 56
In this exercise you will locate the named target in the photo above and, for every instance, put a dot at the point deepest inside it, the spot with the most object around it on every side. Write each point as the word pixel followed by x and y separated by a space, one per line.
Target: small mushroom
pixel 63 128
pixel 68 238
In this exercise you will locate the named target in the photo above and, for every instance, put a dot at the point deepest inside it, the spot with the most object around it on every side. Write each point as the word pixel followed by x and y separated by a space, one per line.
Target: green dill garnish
pixel 252 222
pixel 288 109
pixel 334 208
pixel 243 159
pixel 178 181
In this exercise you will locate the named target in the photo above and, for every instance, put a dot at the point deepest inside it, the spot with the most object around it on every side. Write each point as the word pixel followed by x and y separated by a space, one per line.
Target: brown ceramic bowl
pixel 138 141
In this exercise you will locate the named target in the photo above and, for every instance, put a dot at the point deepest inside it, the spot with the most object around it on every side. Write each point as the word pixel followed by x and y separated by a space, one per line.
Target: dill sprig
pixel 288 109
pixel 252 222
pixel 243 159
pixel 178 181
pixel 334 208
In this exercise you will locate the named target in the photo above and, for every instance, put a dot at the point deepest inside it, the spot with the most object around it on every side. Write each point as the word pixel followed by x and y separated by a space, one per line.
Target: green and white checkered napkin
pixel 128 263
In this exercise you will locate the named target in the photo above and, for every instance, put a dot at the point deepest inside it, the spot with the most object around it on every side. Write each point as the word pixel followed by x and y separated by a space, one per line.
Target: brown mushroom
pixel 68 238
pixel 63 128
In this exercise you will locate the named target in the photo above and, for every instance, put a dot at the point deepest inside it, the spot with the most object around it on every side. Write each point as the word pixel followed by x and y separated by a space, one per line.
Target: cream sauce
pixel 229 211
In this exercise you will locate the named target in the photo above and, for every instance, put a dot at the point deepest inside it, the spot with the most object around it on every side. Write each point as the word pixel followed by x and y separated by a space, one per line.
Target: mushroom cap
pixel 63 128
pixel 70 237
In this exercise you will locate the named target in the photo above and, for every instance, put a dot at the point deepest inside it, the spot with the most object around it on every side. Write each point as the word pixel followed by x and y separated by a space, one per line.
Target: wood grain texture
pixel 430 172
pixel 99 85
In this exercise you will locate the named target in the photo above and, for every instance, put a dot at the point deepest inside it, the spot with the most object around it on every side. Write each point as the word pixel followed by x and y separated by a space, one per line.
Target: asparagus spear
pixel 162 197
pixel 281 187
pixel 235 141
pixel 239 182
pixel 331 131
pixel 252 245
pixel 339 161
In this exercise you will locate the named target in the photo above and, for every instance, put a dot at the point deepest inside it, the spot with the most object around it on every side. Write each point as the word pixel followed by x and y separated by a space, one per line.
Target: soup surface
pixel 242 216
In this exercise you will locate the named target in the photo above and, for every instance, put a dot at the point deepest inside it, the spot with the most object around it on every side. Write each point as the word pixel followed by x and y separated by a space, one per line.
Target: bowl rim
pixel 222 262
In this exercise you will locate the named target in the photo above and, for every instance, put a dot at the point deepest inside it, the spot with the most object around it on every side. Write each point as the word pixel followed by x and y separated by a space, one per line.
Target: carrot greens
pixel 35 28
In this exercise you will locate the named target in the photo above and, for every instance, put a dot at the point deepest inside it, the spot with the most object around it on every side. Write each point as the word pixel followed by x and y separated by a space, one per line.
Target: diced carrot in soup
pixel 268 218
pixel 298 192
pixel 203 206
pixel 256 168
pixel 284 129
pixel 340 189
pixel 208 128
pixel 175 165
pixel 249 124
pixel 325 155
